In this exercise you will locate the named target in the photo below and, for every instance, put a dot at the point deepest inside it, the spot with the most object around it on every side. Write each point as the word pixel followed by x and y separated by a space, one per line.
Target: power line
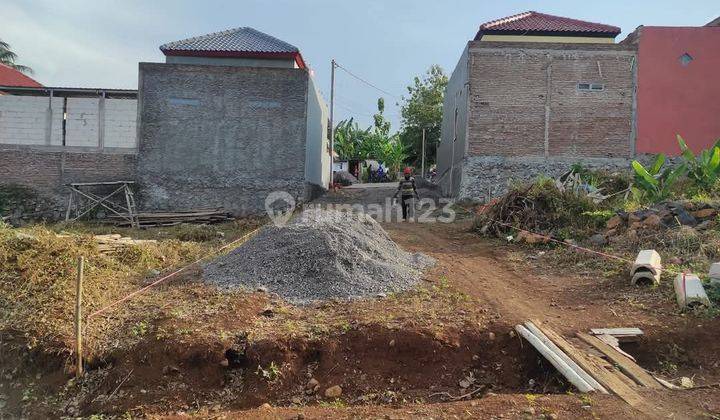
pixel 366 82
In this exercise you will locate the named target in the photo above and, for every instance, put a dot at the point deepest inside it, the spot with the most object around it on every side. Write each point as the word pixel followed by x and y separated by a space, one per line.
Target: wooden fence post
pixel 78 317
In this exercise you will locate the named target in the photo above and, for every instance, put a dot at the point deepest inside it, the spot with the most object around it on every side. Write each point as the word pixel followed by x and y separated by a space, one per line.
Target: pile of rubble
pixel 665 215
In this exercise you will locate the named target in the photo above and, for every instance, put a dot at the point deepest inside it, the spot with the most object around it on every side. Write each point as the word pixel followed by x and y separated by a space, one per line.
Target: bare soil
pixel 399 356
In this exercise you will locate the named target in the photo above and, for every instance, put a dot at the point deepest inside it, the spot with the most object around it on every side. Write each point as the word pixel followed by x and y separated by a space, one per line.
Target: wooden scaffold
pixel 78 208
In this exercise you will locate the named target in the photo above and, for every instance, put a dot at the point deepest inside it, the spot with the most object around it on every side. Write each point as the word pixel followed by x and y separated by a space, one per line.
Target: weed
pixel 336 403
pixel 270 374
pixel 140 329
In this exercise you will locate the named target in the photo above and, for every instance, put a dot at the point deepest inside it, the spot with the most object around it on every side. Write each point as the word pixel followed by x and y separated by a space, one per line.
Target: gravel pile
pixel 321 255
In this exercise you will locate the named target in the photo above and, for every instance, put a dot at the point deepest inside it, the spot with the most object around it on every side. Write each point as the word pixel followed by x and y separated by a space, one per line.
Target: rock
pixel 297 400
pixel 631 234
pixel 491 336
pixel 704 213
pixel 634 217
pixel 312 384
pixel 684 217
pixel 636 225
pixel 652 221
pixel 167 370
pixel 464 383
pixel 598 239
pixel 224 363
pixel 392 343
pixel 704 225
pixel 686 382
pixel 334 391
pixel 611 232
pixel 614 222
pixel 531 238
pixel 265 407
pixel 675 260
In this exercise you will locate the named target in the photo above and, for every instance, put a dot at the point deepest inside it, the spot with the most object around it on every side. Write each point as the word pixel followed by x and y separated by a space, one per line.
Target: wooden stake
pixel 78 317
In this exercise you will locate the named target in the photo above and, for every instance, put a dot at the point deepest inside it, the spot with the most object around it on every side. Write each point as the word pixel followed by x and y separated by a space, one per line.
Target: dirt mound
pixel 320 255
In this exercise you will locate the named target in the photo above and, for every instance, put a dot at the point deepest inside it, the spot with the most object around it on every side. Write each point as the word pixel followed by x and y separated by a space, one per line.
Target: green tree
pixel 423 108
pixel 349 139
pixel 8 57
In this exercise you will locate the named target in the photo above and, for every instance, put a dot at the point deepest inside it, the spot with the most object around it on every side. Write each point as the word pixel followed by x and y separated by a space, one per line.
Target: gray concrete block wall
pixel 220 136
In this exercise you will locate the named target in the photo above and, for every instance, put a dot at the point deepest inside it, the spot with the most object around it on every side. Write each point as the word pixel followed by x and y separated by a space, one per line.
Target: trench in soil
pixel 373 365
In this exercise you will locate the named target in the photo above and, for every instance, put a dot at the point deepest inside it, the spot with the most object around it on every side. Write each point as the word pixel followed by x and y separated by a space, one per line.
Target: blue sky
pixel 98 43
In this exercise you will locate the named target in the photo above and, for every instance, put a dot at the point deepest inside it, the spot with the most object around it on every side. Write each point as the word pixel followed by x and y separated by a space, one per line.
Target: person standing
pixel 407 191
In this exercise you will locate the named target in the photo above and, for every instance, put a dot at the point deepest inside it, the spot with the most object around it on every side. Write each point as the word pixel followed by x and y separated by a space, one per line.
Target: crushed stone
pixel 320 255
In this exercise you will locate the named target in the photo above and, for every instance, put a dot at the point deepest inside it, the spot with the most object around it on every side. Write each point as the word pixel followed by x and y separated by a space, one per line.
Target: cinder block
pixel 647 268
pixel 689 291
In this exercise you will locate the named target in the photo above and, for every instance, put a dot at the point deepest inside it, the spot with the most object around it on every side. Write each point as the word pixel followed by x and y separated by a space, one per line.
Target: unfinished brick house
pixel 531 94
pixel 227 119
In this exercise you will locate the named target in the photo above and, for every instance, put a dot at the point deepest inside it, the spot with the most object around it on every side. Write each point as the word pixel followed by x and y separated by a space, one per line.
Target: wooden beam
pixel 630 368
pixel 605 377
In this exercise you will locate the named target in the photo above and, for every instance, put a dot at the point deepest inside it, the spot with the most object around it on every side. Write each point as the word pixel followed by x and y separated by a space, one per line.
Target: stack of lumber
pixel 612 372
pixel 198 216
pixel 108 244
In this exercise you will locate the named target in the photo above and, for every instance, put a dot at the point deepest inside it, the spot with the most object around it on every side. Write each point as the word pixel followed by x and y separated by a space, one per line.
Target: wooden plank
pixel 626 365
pixel 570 362
pixel 554 359
pixel 605 377
pixel 623 332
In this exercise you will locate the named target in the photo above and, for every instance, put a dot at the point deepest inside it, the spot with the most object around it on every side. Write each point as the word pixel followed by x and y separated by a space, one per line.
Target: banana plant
pixel 654 182
pixel 703 169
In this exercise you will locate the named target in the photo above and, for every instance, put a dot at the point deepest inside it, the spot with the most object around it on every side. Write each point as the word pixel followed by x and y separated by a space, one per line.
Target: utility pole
pixel 332 120
pixel 422 163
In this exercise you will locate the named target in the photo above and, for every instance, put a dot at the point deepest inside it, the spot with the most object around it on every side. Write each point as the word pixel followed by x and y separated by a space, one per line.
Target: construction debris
pixel 111 243
pixel 198 216
pixel 690 292
pixel 320 255
pixel 714 273
pixel 647 268
pixel 620 334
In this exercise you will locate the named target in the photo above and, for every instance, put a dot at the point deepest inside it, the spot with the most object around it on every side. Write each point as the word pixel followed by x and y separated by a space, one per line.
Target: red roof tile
pixel 540 23
pixel 12 77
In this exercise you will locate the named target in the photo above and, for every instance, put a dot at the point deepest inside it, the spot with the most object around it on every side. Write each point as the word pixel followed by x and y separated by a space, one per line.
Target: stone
pixel 491 336
pixel 464 383
pixel 684 217
pixel 675 260
pixel 224 363
pixel 704 225
pixel 265 407
pixel 686 382
pixel 636 225
pixel 392 343
pixel 598 239
pixel 531 238
pixel 634 217
pixel 611 232
pixel 632 234
pixel 297 400
pixel 704 213
pixel 614 222
pixel 334 391
pixel 312 384
pixel 652 221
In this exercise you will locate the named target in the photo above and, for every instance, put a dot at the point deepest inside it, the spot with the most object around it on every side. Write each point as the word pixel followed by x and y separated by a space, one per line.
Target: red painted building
pixel 678 88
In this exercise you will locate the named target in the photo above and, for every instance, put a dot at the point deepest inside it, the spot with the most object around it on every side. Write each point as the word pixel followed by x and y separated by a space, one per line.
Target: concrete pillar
pixel 101 121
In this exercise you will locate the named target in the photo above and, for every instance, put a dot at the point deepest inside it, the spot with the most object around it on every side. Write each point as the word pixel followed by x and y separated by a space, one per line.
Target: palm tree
pixel 8 58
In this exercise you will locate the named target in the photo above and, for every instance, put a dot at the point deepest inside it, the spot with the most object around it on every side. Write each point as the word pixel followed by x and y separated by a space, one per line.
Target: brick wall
pixel 525 101
pixel 220 136
pixel 47 171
